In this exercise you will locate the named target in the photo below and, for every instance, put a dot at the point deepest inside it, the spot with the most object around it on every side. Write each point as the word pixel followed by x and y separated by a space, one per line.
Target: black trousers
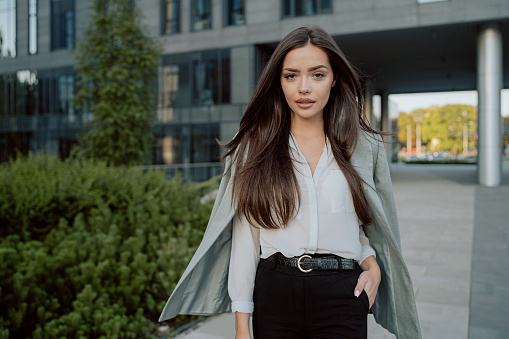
pixel 289 303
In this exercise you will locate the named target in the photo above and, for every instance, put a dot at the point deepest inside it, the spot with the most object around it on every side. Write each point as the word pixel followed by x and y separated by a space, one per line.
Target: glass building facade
pixel 36 112
pixel 199 101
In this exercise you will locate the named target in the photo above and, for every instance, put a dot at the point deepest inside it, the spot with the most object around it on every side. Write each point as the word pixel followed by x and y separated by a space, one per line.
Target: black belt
pixel 306 263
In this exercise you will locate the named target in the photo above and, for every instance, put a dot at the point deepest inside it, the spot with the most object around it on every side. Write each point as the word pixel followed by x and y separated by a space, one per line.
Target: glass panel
pixel 62 24
pixel 27 84
pixel 225 76
pixel 190 79
pixel 69 29
pixel 3 94
pixel 32 26
pixel 295 8
pixel 305 7
pixel 7 29
pixel 65 94
pixel 287 8
pixel 201 15
pixel 170 146
pixel 172 17
pixel 326 6
pixel 236 12
pixel 205 93
pixel 204 147
pixel 168 92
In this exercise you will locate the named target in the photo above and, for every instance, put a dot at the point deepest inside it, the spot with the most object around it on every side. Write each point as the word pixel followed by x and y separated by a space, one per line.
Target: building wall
pixel 264 24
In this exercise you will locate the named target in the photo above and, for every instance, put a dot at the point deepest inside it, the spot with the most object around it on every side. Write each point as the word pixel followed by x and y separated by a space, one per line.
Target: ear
pixel 334 82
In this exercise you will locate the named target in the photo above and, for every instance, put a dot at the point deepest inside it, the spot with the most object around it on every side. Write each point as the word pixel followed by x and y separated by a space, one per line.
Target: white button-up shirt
pixel 326 222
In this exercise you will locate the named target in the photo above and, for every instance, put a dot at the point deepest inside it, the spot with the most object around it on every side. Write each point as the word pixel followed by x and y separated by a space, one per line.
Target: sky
pixel 409 102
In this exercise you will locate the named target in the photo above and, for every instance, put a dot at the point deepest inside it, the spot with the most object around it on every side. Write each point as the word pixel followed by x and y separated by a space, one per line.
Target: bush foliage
pixel 90 251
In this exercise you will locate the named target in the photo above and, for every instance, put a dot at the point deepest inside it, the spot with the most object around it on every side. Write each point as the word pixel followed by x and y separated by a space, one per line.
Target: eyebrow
pixel 311 69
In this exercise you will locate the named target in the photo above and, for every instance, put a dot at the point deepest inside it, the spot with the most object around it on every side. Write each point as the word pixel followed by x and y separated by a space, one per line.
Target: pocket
pixel 340 194
pixel 364 297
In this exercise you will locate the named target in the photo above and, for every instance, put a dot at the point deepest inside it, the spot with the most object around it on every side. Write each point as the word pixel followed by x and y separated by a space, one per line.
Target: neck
pixel 307 128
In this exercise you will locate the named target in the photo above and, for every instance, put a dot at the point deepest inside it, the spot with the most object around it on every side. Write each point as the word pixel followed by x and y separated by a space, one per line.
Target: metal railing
pixel 190 172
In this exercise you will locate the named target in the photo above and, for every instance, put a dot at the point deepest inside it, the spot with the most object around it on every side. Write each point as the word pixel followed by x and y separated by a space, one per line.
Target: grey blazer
pixel 203 288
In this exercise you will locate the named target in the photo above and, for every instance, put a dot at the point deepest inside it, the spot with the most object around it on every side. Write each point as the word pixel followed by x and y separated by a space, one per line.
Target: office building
pixel 214 51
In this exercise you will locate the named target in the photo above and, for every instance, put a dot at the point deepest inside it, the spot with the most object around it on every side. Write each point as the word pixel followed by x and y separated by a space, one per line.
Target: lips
pixel 304 103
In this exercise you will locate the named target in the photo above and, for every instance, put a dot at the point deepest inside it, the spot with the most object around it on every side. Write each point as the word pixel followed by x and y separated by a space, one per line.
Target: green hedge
pixel 88 251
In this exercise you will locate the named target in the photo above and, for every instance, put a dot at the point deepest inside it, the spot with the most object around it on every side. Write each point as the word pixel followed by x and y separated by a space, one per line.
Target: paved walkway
pixel 455 240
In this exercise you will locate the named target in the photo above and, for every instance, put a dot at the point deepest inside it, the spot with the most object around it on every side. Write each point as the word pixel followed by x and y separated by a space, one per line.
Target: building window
pixel 32 26
pixel 65 94
pixel 56 90
pixel 171 16
pixel 204 147
pixel 201 15
pixel 235 12
pixel 62 24
pixel 211 78
pixel 295 8
pixel 187 143
pixel 7 29
pixel 193 79
pixel 18 93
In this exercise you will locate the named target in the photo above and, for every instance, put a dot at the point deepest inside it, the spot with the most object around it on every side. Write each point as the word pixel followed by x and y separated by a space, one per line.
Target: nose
pixel 304 86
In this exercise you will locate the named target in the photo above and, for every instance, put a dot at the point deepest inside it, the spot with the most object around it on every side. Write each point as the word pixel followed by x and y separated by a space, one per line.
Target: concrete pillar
pixel 385 122
pixel 489 85
pixel 368 101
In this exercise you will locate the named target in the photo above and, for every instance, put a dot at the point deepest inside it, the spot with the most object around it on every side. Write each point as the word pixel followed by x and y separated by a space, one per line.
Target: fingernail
pixel 357 293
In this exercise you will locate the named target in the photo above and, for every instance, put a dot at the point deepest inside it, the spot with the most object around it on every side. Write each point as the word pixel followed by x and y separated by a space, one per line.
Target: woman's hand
pixel 242 326
pixel 369 279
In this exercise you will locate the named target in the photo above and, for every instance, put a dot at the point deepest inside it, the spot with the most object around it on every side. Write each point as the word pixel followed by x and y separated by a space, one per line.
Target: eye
pixel 290 76
pixel 319 75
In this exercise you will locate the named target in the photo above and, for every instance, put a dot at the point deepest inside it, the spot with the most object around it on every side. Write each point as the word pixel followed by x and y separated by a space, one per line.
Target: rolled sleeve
pixel 245 255
pixel 367 250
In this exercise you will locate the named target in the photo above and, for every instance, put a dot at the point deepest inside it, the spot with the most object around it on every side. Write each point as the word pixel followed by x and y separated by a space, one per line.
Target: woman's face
pixel 307 79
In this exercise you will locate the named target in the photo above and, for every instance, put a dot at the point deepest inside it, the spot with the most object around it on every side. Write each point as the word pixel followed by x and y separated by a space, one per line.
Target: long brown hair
pixel 265 187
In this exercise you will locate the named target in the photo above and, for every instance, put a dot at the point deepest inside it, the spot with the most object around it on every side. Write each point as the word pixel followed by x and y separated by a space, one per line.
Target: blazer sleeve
pixel 383 186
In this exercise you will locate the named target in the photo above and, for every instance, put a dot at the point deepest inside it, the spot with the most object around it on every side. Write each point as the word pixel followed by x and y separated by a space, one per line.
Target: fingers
pixel 365 282
pixel 361 283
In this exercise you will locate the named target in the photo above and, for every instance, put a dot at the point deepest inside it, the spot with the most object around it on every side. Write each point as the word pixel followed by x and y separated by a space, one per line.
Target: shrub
pixel 90 251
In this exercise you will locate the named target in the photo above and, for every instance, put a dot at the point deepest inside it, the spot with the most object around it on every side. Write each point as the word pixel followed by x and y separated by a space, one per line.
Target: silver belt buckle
pixel 298 263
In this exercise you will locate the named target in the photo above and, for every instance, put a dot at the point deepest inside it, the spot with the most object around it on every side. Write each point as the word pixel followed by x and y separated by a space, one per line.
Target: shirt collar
pixel 293 144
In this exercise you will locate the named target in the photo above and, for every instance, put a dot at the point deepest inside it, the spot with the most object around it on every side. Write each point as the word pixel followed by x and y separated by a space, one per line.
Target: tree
pixel 442 128
pixel 117 68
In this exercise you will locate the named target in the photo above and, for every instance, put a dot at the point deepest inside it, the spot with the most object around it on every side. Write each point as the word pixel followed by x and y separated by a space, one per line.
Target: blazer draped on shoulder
pixel 203 288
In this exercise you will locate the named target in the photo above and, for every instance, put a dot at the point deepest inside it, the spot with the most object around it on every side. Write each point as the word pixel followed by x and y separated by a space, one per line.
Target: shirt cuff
pixel 366 252
pixel 242 306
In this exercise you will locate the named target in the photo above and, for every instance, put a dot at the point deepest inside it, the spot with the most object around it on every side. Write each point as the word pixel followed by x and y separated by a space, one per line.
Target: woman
pixel 307 183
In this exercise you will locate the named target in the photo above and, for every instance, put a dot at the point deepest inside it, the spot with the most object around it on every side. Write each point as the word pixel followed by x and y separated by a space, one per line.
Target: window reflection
pixel 171 13
pixel 201 15
pixel 65 94
pixel 62 24
pixel 204 147
pixel 235 12
pixel 32 27
pixel 7 29
pixel 194 142
pixel 18 93
pixel 193 79
pixel 56 92
pixel 295 8
pixel 205 76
